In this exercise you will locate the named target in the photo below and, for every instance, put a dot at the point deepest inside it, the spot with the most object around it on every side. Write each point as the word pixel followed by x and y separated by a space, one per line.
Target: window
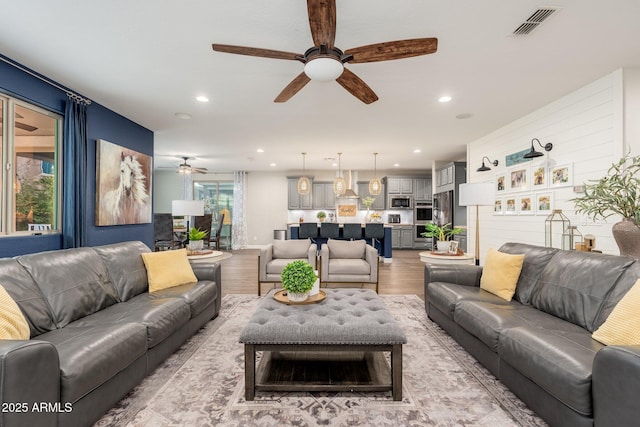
pixel 218 199
pixel 30 143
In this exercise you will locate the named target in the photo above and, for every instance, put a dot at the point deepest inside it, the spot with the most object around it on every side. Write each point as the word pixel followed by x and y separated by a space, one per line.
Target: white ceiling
pixel 148 59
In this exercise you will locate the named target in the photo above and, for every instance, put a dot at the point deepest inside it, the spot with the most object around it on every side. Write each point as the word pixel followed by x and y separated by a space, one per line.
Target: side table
pixel 431 258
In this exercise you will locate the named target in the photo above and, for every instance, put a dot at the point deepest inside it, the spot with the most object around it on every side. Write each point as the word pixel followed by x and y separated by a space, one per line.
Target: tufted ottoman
pixel 348 324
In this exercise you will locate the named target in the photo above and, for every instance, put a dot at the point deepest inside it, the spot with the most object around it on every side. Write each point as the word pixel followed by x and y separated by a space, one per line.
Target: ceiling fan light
pixel 185 169
pixel 375 186
pixel 323 69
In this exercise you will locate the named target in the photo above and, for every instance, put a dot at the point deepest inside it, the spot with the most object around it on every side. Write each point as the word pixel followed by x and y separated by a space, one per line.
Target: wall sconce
pixel 485 168
pixel 533 153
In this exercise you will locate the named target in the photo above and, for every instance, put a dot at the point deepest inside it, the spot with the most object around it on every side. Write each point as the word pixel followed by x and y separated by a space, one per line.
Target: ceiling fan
pixel 186 168
pixel 325 62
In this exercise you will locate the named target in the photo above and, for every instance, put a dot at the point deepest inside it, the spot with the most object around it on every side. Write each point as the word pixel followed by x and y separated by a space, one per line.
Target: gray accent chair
pixel 96 331
pixel 343 261
pixel 539 344
pixel 275 256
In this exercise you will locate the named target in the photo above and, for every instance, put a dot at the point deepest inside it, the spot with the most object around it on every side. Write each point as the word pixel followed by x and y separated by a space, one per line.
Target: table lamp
pixel 187 208
pixel 477 194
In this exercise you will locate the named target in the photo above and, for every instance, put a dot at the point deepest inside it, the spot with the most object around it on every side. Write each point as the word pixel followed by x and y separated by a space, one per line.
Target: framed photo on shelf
pixel 525 204
pixel 501 183
pixel 510 206
pixel 498 206
pixel 453 247
pixel 517 178
pixel 539 177
pixel 544 203
pixel 561 176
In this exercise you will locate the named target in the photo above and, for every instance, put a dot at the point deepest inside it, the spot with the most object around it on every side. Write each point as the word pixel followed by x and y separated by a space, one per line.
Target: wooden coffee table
pixel 335 345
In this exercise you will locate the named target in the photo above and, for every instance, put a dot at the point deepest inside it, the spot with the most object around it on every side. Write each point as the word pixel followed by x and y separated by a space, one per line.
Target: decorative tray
pixel 281 296
pixel 200 252
pixel 447 253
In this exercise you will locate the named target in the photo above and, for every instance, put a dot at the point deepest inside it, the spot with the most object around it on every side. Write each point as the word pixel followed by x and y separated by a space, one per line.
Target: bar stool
pixel 329 230
pixel 374 232
pixel 308 230
pixel 352 231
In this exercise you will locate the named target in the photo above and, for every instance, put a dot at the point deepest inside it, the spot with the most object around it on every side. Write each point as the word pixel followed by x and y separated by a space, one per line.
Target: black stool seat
pixel 374 231
pixel 352 231
pixel 308 230
pixel 329 230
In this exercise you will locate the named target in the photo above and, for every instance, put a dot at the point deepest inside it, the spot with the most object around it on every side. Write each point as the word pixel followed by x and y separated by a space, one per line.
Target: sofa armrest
pixel 211 271
pixel 29 374
pixel 264 258
pixel 372 257
pixel 615 385
pixel 465 275
pixel 312 255
pixel 324 262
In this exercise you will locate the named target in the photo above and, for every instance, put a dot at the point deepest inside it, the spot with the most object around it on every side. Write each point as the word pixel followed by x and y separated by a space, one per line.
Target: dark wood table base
pixel 306 367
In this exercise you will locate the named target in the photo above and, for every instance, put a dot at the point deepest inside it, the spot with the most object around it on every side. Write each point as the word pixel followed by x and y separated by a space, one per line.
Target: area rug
pixel 202 384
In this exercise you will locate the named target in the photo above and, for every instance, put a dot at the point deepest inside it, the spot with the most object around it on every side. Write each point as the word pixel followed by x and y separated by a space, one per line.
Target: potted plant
pixel 321 216
pixel 617 193
pixel 195 238
pixel 298 278
pixel 442 234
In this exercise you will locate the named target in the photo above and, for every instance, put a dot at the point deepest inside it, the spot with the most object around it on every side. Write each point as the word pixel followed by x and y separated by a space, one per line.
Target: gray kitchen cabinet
pixel 406 237
pixel 395 238
pixel 399 185
pixel 422 189
pixel 297 201
pixel 363 191
pixel 323 196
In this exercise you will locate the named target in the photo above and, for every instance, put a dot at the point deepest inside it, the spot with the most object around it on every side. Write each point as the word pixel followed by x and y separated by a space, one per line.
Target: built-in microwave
pixel 400 202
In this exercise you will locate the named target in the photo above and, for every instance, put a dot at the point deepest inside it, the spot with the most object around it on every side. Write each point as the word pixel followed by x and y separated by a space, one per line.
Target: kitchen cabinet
pixel 297 201
pixel 363 191
pixel 402 237
pixel 399 185
pixel 323 196
pixel 422 189
pixel 450 176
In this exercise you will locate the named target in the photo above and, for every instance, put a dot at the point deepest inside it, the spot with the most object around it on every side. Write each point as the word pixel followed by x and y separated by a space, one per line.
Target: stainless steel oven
pixel 420 242
pixel 422 212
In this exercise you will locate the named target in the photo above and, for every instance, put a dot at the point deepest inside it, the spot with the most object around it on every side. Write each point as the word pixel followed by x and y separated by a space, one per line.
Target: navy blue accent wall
pixel 102 123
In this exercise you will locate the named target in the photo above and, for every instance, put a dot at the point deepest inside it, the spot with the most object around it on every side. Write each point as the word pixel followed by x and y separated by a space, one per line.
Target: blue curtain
pixel 74 160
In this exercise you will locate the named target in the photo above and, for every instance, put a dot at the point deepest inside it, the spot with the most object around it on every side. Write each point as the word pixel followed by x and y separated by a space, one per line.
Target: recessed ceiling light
pixel 185 116
pixel 396 165
pixel 417 150
pixel 445 98
pixel 260 150
pixel 202 98
pixel 464 116
pixel 273 165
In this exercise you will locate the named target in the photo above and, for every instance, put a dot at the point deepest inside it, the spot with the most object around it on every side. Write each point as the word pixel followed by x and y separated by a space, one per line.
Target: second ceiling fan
pixel 324 61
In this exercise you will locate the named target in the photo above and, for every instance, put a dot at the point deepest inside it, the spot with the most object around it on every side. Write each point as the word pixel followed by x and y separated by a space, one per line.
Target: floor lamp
pixel 187 208
pixel 477 194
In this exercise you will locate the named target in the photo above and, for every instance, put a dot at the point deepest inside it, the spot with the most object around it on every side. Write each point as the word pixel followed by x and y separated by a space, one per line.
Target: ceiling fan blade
pixel 199 170
pixel 357 87
pixel 26 127
pixel 255 51
pixel 322 20
pixel 393 50
pixel 292 88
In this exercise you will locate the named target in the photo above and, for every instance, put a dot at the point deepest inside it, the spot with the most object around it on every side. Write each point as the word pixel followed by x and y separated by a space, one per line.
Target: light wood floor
pixel 404 276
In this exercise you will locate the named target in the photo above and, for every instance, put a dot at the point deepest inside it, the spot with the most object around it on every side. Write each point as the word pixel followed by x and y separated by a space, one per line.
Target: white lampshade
pixel 476 194
pixel 323 69
pixel 187 207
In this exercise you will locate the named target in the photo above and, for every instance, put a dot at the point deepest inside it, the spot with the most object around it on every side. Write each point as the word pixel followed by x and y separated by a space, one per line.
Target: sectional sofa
pixel 95 330
pixel 540 343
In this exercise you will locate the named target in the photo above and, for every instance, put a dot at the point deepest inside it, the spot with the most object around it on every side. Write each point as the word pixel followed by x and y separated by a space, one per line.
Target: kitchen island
pixel 384 246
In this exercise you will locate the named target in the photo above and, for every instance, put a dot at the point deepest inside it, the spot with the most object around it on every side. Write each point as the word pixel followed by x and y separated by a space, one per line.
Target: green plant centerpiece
pixel 195 238
pixel 442 234
pixel 298 278
pixel 617 193
pixel 321 216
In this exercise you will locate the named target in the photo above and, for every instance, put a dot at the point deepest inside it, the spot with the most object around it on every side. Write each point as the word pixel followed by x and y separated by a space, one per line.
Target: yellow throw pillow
pixel 13 325
pixel 500 273
pixel 622 327
pixel 167 269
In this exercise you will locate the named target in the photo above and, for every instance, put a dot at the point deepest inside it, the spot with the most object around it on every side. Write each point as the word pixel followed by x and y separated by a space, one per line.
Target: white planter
pixel 196 245
pixel 443 245
pixel 316 286
pixel 296 297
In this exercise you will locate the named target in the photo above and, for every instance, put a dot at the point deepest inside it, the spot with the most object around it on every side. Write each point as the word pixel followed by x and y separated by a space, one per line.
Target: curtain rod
pixel 71 94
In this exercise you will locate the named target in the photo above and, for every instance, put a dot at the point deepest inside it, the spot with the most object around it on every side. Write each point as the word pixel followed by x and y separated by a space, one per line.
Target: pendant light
pixel 339 184
pixel 375 185
pixel 304 185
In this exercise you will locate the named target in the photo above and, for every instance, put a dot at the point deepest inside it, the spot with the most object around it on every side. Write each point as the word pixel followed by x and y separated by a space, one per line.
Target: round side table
pixel 431 258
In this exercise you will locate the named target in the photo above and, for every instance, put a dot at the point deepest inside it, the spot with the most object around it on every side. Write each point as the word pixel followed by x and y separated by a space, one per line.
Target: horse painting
pixel 123 187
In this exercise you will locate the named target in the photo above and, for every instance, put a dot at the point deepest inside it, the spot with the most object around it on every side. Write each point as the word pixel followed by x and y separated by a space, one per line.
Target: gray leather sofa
pixel 96 331
pixel 539 344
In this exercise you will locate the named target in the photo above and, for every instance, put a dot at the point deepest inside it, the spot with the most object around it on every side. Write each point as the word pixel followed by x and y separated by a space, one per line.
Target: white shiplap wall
pixel 586 129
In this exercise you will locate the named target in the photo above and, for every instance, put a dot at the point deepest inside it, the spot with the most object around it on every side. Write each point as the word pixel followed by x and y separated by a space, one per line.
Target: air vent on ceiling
pixel 534 21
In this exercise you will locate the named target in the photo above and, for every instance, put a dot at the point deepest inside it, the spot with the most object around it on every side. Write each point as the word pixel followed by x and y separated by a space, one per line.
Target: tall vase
pixel 627 236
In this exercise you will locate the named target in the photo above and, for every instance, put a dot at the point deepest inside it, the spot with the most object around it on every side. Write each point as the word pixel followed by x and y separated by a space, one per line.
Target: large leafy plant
pixel 616 193
pixel 298 277
pixel 441 232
